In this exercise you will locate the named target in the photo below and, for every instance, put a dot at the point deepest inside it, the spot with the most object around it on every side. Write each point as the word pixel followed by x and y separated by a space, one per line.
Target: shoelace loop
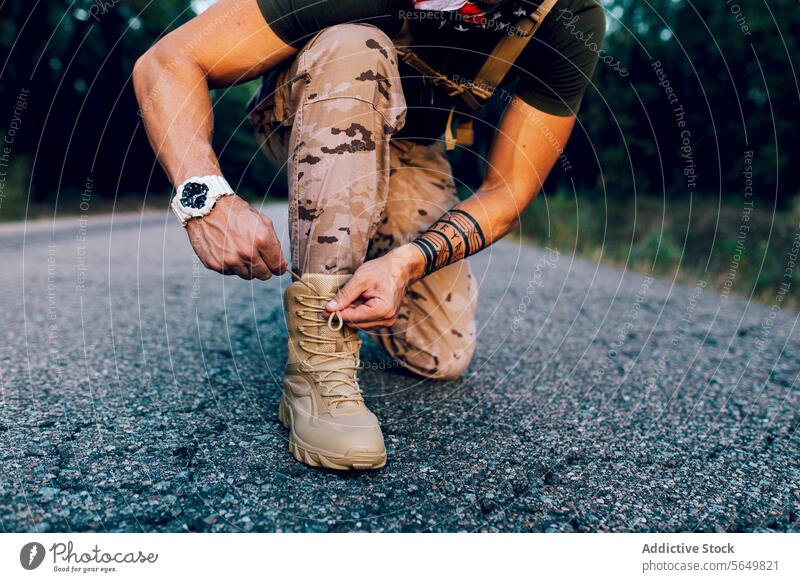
pixel 346 374
pixel 330 320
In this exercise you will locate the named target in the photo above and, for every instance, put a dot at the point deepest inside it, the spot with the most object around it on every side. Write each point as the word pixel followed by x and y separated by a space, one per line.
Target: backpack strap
pixel 505 53
pixel 477 92
pixel 401 44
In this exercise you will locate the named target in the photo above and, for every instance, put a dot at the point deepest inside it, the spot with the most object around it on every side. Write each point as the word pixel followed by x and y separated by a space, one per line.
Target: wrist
pixel 411 262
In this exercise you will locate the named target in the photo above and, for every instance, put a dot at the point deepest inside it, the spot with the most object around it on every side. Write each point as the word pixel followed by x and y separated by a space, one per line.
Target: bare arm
pixel 526 146
pixel 229 43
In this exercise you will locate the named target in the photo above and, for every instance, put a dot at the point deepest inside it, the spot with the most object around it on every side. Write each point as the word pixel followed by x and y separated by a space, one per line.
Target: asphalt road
pixel 139 393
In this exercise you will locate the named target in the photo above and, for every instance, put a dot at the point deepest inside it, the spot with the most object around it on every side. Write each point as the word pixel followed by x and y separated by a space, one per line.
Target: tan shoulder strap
pixel 506 52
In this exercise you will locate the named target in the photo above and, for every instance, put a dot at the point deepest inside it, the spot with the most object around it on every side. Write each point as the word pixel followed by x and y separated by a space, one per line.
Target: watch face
pixel 193 195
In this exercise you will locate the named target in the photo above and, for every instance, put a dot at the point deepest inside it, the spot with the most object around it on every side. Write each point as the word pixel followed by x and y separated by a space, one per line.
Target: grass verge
pixel 747 250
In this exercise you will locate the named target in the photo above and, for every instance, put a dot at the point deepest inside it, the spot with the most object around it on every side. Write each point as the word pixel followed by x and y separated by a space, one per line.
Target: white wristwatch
pixel 196 196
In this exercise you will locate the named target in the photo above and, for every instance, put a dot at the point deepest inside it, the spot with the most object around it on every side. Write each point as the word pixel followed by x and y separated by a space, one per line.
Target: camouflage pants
pixel 355 193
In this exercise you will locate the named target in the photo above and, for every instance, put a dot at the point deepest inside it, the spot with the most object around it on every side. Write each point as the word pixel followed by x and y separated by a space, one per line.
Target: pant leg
pixel 435 331
pixel 343 99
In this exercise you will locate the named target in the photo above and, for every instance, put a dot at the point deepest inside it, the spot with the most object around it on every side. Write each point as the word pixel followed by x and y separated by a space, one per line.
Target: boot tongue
pixel 344 339
pixel 341 340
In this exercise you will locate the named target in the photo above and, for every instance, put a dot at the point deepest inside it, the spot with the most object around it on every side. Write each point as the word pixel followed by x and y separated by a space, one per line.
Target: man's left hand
pixel 373 294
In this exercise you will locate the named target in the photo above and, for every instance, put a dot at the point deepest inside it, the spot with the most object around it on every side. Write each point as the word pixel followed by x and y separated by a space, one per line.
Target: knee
pixel 357 61
pixel 452 362
pixel 364 42
pixel 440 361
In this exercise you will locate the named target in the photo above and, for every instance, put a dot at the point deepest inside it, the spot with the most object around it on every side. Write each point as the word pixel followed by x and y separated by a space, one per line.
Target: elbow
pixel 150 71
pixel 159 70
pixel 144 70
pixel 139 69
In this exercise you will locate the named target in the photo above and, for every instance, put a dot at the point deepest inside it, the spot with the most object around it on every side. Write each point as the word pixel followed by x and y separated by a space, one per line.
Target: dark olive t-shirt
pixel 552 72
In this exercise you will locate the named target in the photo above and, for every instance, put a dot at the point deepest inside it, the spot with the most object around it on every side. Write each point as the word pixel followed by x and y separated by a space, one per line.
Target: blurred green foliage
pixel 678 238
pixel 81 121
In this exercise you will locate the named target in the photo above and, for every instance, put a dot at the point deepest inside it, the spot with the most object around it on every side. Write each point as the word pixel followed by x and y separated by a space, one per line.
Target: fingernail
pixel 331 304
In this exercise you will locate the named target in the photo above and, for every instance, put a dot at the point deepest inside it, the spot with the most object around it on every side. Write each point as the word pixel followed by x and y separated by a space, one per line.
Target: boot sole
pixel 313 457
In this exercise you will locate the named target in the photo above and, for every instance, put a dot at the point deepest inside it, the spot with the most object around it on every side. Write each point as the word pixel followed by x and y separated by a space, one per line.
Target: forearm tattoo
pixel 454 236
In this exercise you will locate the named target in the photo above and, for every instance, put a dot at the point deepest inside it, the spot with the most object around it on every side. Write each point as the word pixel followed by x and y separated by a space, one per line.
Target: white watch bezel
pixel 217 187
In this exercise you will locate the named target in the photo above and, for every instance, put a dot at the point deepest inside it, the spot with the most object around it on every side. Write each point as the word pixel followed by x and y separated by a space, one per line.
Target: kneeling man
pixel 355 99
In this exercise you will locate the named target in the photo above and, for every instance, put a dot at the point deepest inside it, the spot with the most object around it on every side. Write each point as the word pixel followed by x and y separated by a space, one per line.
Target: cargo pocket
pixel 338 64
pixel 268 111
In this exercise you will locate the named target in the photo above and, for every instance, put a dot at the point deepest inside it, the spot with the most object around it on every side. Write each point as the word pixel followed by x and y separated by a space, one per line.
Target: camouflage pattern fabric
pixel 355 193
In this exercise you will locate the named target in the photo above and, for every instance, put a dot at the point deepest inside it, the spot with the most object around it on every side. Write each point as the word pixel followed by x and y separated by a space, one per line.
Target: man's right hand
pixel 172 80
pixel 236 239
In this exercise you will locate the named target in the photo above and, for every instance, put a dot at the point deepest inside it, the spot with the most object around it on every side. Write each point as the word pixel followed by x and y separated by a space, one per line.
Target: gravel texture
pixel 139 393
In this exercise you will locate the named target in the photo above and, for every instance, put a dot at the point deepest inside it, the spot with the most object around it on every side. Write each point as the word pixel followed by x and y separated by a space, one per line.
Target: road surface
pixel 139 393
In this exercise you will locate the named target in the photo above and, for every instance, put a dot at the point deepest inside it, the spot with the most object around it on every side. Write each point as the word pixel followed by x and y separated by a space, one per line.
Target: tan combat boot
pixel 322 404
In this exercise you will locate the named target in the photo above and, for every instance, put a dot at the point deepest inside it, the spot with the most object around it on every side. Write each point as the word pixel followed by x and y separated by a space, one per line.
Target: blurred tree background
pixel 73 61
pixel 642 183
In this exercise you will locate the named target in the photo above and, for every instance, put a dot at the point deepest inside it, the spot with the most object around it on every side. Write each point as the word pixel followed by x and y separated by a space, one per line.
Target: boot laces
pixel 345 374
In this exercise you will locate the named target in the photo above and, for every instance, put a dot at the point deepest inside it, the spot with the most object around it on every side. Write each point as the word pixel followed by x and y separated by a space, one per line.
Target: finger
pixel 259 269
pixel 385 323
pixel 209 262
pixel 254 260
pixel 269 248
pixel 237 268
pixel 206 255
pixel 351 291
pixel 368 312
